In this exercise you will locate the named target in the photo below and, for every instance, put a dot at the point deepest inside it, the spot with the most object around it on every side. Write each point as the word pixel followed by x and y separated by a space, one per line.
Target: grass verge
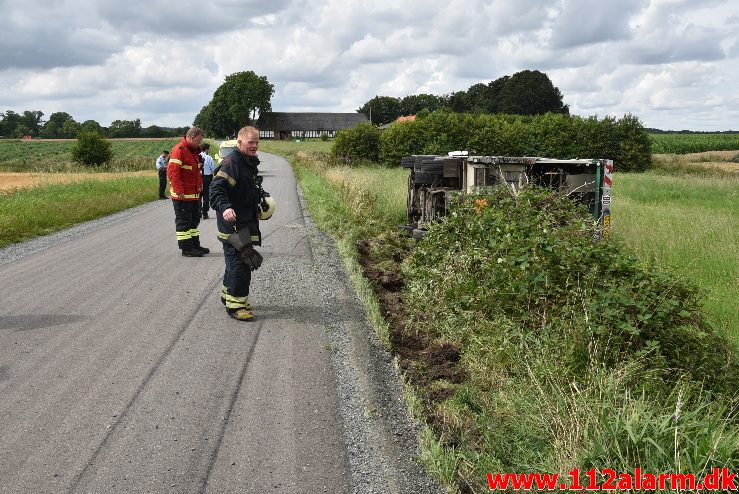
pixel 31 212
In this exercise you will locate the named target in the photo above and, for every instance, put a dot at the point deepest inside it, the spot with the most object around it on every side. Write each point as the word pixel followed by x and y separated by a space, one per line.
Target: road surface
pixel 121 372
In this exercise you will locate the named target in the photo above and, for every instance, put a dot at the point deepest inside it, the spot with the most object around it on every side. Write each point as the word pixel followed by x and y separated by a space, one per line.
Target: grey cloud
pixel 693 44
pixel 186 19
pixel 582 22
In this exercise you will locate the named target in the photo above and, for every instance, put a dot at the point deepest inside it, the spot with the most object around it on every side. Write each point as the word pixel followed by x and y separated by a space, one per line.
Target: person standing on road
pixel 162 170
pixel 236 195
pixel 183 171
pixel 208 167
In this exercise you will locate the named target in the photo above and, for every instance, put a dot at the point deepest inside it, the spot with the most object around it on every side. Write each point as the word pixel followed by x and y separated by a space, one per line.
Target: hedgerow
pixel 551 135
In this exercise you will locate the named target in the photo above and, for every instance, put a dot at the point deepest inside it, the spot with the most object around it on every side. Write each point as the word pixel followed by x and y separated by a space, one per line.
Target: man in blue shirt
pixel 208 168
pixel 162 169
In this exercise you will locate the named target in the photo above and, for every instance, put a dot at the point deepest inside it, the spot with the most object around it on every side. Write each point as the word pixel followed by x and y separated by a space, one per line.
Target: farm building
pixel 286 125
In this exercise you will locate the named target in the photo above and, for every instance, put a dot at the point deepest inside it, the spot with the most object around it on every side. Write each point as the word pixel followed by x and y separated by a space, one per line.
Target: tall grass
pixel 688 223
pixel 36 211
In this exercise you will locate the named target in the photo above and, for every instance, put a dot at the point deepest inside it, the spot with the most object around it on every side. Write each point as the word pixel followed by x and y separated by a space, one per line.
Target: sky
pixel 673 63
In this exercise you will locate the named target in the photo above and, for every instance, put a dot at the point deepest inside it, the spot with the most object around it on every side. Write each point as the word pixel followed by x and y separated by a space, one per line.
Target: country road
pixel 121 372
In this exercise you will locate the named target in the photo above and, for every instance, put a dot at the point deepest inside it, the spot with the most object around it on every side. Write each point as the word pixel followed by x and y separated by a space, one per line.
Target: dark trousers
pixel 236 278
pixel 187 219
pixel 162 181
pixel 207 179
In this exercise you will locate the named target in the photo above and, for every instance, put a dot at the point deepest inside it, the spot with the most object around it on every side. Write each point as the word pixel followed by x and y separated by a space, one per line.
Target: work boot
pixel 204 250
pixel 241 314
pixel 192 253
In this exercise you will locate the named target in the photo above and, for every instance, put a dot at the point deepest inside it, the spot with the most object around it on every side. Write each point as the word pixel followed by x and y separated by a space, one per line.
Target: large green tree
pixel 381 109
pixel 125 128
pixel 239 101
pixel 531 92
pixel 60 125
pixel 411 105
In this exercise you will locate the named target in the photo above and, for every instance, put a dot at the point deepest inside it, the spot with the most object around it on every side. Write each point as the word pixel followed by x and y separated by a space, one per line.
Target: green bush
pixel 324 136
pixel 575 354
pixel 91 149
pixel 361 142
pixel 530 260
pixel 551 135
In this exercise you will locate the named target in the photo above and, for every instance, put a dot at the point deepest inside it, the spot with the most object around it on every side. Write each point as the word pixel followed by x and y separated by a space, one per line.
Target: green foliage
pixel 576 355
pixel 236 103
pixel 60 125
pixel 125 128
pixel 549 135
pixel 381 109
pixel 683 143
pixel 91 149
pixel 361 142
pixel 530 260
pixel 528 92
pixel 324 136
pixel 531 92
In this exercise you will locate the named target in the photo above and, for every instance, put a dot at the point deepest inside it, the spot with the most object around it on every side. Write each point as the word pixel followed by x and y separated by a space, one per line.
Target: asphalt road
pixel 121 372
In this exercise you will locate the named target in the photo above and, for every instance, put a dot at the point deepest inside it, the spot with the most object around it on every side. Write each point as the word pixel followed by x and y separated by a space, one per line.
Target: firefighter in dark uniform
pixel 236 195
pixel 183 171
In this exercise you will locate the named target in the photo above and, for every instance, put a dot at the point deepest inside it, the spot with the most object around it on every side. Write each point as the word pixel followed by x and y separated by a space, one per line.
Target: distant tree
pixel 60 125
pixel 411 105
pixel 91 149
pixel 153 131
pixel 239 101
pixel 531 92
pixel 125 128
pixel 31 120
pixel 91 126
pixel 458 102
pixel 381 109
pixel 9 124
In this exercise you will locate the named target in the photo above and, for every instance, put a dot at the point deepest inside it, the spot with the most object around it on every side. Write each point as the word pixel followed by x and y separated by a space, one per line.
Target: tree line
pixel 529 92
pixel 62 125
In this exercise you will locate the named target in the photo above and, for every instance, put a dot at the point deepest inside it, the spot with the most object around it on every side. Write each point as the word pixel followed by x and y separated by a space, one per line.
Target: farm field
pixel 11 181
pixel 677 143
pixel 55 155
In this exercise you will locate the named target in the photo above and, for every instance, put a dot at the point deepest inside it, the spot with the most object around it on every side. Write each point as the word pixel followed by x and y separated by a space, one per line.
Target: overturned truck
pixel 435 181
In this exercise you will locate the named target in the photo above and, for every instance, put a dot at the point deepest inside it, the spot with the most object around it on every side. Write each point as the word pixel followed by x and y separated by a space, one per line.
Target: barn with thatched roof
pixel 291 125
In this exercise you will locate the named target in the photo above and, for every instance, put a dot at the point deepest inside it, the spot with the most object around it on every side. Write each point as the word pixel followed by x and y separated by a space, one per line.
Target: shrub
pixel 324 136
pixel 550 135
pixel 361 142
pixel 575 354
pixel 91 149
pixel 529 262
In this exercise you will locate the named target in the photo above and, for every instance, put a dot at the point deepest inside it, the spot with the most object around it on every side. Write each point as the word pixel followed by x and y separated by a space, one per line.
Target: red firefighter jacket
pixel 183 171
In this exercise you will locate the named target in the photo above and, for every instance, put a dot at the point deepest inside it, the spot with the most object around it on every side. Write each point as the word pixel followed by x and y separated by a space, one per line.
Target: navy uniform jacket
pixel 235 185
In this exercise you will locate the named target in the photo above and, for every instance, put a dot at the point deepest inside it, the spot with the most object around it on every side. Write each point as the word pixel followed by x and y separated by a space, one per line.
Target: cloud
pixel 582 22
pixel 161 62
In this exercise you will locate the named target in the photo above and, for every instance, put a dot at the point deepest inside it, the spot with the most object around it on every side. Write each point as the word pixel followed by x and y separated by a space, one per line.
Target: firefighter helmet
pixel 267 208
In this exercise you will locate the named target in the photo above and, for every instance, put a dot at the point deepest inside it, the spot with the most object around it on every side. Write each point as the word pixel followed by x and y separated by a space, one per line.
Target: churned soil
pixel 423 361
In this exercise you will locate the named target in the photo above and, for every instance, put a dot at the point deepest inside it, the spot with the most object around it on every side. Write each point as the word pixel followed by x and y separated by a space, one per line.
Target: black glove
pixel 251 257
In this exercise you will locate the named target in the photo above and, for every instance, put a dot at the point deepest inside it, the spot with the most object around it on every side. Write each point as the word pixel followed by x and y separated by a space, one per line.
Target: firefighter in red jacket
pixel 183 171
